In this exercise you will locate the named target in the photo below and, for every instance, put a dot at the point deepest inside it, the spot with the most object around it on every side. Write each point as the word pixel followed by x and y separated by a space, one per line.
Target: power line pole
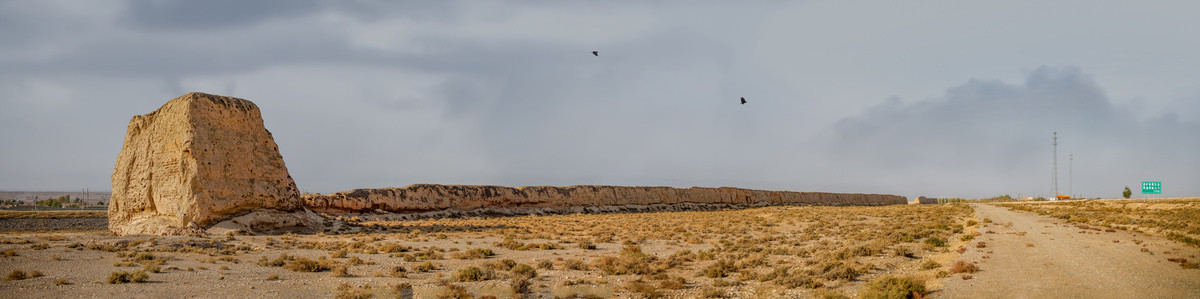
pixel 1054 172
pixel 1071 174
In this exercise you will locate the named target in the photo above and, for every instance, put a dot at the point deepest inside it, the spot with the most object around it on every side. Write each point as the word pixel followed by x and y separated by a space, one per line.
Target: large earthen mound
pixel 474 200
pixel 199 160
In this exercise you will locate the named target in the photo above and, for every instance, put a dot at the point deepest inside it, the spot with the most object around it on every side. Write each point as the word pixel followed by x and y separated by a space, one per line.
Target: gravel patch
pixel 52 224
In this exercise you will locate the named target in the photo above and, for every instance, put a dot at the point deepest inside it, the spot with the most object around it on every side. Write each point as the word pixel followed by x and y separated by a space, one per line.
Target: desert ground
pixel 944 251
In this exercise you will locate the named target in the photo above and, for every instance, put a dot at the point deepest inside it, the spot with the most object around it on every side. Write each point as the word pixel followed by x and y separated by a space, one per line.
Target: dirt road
pixel 1032 256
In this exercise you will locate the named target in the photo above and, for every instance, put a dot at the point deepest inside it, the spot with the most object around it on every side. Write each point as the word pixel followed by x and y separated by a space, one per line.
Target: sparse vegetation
pixel 714 254
pixel 1174 219
pixel 887 287
pixel 128 277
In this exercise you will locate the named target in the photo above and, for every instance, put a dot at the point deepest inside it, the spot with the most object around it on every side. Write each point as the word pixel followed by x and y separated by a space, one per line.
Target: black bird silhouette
pixel 743 100
pixel 596 53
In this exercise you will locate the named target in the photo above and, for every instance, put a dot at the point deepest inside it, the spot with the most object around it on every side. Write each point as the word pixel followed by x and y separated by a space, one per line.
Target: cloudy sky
pixel 935 98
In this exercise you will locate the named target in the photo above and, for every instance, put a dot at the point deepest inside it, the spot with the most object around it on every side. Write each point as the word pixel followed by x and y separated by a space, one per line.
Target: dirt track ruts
pixel 1066 261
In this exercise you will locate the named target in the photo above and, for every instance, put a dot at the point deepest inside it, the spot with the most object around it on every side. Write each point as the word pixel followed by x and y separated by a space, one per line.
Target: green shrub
pixel 1184 239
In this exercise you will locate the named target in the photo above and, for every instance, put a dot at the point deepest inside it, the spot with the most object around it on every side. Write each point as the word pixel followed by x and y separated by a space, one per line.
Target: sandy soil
pixel 1032 256
pixel 759 241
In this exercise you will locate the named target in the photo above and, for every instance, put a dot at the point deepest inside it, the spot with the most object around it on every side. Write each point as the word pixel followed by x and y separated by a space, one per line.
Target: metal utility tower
pixel 1071 174
pixel 1054 172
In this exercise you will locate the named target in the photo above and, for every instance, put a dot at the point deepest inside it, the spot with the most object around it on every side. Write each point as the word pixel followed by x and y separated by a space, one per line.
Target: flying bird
pixel 596 53
pixel 743 100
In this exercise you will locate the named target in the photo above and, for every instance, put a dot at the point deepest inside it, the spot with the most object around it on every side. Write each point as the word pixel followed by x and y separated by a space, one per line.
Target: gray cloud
pixel 996 138
pixel 386 93
pixel 213 14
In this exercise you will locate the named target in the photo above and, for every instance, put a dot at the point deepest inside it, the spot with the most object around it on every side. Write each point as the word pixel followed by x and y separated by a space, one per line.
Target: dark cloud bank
pixel 996 137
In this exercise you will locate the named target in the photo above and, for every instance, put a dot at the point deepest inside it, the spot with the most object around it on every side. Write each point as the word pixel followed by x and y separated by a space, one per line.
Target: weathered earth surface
pixel 1026 255
pixel 198 160
pixel 425 198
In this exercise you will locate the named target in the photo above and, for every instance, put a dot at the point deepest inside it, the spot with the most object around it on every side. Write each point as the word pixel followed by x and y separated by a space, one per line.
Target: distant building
pixel 926 200
pixel 1062 197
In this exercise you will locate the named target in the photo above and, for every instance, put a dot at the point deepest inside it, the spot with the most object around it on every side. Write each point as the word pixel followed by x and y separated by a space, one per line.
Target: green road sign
pixel 1151 187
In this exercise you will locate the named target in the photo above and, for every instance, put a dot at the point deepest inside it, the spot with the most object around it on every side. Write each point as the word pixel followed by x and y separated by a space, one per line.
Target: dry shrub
pixel 545 264
pixel 454 291
pixel 340 271
pixel 354 293
pixel 128 277
pixel 799 279
pixel 586 245
pixel 399 272
pixel 672 283
pixel 520 285
pixel 711 292
pixel 963 267
pixel 837 270
pixel 472 274
pixel 718 269
pixel 502 265
pixel 473 254
pixel 574 264
pixel 16 275
pixel 425 267
pixel 647 290
pixel 929 264
pixel 894 287
pixel 827 294
pixel 340 253
pixel 277 262
pixel 524 271
pixel 306 265
pixel 632 261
